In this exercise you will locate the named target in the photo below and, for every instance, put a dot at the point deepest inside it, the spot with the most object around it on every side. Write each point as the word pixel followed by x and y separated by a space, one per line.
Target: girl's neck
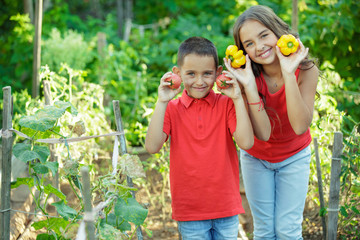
pixel 273 71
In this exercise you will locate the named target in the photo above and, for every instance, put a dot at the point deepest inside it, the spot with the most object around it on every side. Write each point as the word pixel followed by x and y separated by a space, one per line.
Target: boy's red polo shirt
pixel 204 165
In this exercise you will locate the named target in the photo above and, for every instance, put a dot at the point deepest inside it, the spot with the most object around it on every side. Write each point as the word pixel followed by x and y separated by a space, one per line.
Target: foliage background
pixel 130 71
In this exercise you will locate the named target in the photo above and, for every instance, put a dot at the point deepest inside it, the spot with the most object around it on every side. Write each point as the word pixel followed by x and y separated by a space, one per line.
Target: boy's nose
pixel 199 80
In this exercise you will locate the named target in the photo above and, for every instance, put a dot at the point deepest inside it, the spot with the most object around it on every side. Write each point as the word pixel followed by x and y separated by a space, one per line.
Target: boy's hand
pixel 245 76
pixel 234 90
pixel 290 63
pixel 165 94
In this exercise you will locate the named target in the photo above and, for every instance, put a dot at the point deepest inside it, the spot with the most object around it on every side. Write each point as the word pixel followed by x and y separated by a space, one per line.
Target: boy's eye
pixel 208 74
pixel 191 74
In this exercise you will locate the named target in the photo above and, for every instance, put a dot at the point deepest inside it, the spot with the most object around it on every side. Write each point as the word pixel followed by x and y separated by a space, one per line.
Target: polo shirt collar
pixel 186 100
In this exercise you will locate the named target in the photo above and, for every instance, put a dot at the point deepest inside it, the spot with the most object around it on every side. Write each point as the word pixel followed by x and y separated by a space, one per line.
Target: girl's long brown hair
pixel 269 19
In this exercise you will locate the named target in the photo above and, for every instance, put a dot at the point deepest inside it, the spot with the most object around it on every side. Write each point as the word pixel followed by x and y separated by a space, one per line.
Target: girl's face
pixel 259 42
pixel 198 74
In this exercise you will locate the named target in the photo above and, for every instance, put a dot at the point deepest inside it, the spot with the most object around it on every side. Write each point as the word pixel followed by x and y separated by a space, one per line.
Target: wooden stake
pixel 320 185
pixel 5 171
pixel 333 209
pixel 89 222
pixel 37 48
pixel 294 17
pixel 123 150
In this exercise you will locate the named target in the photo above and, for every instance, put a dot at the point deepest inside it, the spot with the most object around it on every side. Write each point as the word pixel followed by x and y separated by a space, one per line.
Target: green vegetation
pixel 89 75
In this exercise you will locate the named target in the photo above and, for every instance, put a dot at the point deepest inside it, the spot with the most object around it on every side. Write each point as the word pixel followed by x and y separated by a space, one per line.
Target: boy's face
pixel 198 74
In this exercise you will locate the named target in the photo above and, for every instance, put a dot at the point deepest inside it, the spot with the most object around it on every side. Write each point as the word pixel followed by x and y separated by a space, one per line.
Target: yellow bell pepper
pixel 236 56
pixel 288 44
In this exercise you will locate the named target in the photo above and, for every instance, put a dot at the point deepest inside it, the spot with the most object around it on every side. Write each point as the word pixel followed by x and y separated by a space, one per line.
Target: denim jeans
pixel 213 229
pixel 276 193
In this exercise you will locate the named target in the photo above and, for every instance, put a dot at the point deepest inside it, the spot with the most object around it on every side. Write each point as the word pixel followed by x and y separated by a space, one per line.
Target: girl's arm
pixel 300 95
pixel 258 116
pixel 243 135
pixel 300 98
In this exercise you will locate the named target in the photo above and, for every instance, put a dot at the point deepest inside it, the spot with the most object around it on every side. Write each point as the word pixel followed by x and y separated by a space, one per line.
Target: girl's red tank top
pixel 283 142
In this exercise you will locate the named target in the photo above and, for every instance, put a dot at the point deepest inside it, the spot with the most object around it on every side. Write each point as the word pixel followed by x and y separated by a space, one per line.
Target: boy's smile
pixel 198 74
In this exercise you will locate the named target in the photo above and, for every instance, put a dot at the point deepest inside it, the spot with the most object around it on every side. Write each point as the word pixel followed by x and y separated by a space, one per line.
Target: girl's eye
pixel 264 35
pixel 248 44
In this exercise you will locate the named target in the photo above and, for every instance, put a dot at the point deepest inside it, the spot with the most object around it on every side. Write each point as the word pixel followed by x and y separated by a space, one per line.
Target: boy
pixel 204 166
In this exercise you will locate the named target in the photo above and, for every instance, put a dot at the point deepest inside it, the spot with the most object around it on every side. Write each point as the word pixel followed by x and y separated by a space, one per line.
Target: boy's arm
pixel 155 136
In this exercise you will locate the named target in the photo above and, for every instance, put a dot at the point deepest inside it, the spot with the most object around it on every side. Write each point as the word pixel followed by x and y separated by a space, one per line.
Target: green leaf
pixel 42 151
pixel 23 152
pixel 76 181
pixel 45 118
pixel 53 166
pixel 39 168
pixel 20 181
pixel 355 210
pixel 50 189
pixel 54 224
pixel 45 236
pixel 117 222
pixel 64 210
pixel 109 232
pixel 66 106
pixel 322 212
pixel 40 121
pixel 343 211
pixel 131 211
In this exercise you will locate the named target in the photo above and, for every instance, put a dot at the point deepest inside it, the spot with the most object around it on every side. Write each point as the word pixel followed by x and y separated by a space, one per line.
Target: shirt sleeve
pixel 167 122
pixel 231 115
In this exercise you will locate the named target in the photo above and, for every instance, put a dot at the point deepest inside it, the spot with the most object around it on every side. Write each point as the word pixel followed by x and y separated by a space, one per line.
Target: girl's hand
pixel 165 94
pixel 290 63
pixel 234 90
pixel 245 76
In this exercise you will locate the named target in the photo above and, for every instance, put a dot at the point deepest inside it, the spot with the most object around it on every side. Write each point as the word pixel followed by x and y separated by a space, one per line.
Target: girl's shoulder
pixel 308 72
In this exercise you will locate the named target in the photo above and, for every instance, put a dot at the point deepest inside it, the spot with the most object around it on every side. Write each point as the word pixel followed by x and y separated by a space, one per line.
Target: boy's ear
pixel 219 70
pixel 176 70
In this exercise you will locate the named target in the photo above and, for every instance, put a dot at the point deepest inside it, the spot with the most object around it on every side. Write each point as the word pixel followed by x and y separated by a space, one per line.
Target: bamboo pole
pixel 88 218
pixel 5 171
pixel 37 48
pixel 123 150
pixel 320 185
pixel 333 209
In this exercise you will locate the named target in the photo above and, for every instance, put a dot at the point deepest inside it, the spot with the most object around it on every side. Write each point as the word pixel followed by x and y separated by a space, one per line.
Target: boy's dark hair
pixel 197 45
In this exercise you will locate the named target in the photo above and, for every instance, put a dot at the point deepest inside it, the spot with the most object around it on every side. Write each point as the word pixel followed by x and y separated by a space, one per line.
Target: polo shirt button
pixel 200 126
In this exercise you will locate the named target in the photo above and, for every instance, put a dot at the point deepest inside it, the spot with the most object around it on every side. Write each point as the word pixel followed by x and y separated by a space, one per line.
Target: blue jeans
pixel 276 193
pixel 216 229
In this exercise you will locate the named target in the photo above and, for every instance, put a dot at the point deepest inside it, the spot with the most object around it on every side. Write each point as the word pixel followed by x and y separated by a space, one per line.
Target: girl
pixel 276 169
